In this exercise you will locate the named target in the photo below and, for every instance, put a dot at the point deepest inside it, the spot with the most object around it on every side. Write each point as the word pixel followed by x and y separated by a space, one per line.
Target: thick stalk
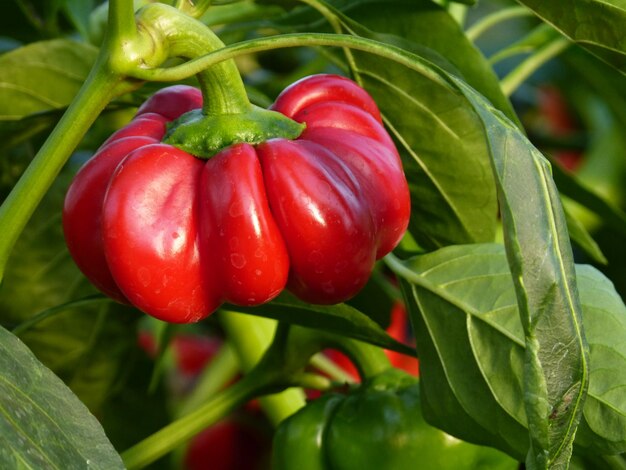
pixel 121 27
pixel 227 117
pixel 223 91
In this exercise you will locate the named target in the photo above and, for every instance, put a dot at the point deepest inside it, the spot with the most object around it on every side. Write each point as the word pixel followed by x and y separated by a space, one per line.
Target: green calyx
pixel 204 135
pixel 227 117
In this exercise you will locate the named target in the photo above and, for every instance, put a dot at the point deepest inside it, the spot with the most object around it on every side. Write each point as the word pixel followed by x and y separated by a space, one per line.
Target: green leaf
pixel 598 25
pixel 470 341
pixel 425 24
pixel 42 423
pixel 42 76
pixel 470 344
pixel 539 253
pixel 340 318
pixel 603 428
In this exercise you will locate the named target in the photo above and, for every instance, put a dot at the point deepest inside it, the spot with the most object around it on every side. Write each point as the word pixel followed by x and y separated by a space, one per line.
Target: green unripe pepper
pixel 299 439
pixel 377 426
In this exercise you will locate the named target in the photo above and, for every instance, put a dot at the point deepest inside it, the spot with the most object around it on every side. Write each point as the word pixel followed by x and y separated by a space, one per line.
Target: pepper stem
pixel 222 88
pixel 227 117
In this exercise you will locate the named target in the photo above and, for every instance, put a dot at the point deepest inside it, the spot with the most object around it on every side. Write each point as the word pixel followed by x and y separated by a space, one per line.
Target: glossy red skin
pixel 177 236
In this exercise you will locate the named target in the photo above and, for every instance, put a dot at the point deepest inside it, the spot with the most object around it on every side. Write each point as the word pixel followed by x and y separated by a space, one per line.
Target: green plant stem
pixel 250 337
pixel 180 431
pixel 314 381
pixel 99 88
pixel 489 21
pixel 535 40
pixel 517 76
pixel 121 27
pixel 192 67
pixel 330 368
pixel 370 360
pixel 336 24
pixel 223 91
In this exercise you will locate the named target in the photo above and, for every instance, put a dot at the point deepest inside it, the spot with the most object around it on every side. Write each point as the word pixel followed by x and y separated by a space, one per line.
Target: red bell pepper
pixel 176 235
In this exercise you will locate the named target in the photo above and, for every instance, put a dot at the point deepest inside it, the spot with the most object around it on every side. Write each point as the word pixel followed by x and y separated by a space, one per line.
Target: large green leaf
pixel 598 25
pixel 42 76
pixel 471 368
pixel 603 428
pixel 37 82
pixel 471 345
pixel 539 253
pixel 42 423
